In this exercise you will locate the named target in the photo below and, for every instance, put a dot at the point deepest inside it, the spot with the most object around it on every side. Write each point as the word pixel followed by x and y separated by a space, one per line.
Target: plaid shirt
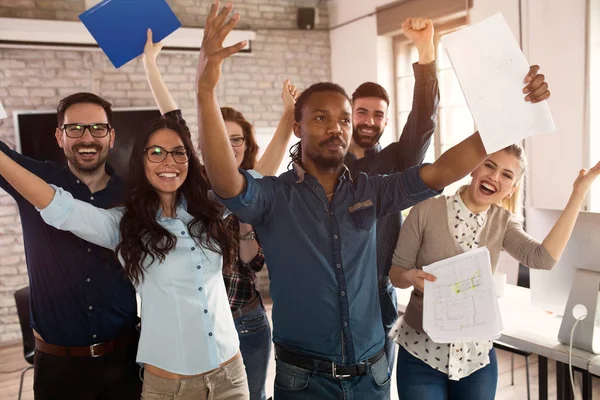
pixel 242 284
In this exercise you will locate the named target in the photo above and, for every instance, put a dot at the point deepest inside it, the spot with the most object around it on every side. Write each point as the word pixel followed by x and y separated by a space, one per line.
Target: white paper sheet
pixel 461 305
pixel 491 69
pixel 2 112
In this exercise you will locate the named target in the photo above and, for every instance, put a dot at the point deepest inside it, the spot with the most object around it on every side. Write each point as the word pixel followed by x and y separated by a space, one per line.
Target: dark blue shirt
pixel 321 256
pixel 79 294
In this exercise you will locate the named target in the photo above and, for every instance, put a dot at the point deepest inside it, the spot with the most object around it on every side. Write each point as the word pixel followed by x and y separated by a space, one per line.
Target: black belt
pixel 327 367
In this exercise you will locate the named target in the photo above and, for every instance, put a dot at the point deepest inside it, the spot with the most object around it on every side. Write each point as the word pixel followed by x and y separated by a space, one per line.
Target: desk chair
pixel 513 350
pixel 22 300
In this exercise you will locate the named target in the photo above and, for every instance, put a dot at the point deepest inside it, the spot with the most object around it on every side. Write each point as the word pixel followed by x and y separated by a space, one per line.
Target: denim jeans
pixel 255 345
pixel 389 314
pixel 418 381
pixel 295 383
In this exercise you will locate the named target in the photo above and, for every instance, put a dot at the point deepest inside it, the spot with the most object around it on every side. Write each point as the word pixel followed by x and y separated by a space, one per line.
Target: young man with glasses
pixel 83 309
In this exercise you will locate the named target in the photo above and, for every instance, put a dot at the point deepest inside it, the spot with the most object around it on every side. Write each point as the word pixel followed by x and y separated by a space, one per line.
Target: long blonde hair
pixel 514 203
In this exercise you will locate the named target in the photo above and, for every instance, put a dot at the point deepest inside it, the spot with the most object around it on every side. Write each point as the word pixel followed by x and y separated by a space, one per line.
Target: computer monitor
pixel 34 132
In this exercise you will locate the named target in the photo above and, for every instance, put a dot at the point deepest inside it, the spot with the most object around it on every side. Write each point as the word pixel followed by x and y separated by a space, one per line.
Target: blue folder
pixel 119 26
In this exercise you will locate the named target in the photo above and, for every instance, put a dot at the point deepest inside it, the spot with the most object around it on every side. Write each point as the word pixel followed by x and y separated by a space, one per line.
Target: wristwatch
pixel 249 236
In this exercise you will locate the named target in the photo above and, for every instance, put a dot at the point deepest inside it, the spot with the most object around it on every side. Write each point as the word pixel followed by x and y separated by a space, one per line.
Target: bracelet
pixel 249 236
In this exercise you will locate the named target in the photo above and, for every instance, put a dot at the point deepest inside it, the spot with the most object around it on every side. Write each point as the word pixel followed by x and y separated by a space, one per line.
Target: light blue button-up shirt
pixel 187 327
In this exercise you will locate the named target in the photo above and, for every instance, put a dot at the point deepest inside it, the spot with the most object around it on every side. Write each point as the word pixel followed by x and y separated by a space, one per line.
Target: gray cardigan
pixel 425 238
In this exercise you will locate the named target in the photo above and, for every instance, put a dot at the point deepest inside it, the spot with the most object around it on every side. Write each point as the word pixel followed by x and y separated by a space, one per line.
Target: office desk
pixel 531 329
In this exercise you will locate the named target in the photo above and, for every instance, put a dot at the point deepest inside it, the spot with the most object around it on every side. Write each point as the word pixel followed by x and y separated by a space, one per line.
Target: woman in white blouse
pixel 481 214
pixel 172 241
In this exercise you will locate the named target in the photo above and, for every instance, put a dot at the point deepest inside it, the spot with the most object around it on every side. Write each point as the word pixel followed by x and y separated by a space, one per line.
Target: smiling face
pixel 495 179
pixel 165 175
pixel 325 129
pixel 238 143
pixel 369 120
pixel 87 153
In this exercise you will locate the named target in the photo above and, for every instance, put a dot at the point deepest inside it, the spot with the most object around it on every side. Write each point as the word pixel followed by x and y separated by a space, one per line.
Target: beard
pixel 83 165
pixel 330 162
pixel 364 141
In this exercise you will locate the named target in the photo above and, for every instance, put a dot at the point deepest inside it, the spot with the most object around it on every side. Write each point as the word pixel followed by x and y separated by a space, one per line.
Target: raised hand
pixel 212 53
pixel 420 32
pixel 585 179
pixel 536 89
pixel 289 94
pixel 151 49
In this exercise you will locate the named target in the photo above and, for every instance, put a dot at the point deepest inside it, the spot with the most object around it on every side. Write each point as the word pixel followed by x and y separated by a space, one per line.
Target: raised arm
pixel 271 160
pixel 545 255
pixel 30 186
pixel 463 158
pixel 162 97
pixel 226 180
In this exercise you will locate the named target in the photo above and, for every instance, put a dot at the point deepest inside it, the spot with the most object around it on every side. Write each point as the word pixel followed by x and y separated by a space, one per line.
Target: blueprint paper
pixel 461 305
pixel 2 112
pixel 491 69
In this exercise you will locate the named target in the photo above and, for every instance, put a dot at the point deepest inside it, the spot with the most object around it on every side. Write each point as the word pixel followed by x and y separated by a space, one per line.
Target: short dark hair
pixel 82 97
pixel 316 88
pixel 371 89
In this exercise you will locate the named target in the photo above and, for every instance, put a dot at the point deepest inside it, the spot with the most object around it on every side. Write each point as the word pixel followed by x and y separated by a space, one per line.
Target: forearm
pixel 426 53
pixel 455 163
pixel 31 187
pixel 556 241
pixel 248 250
pixel 162 97
pixel 214 144
pixel 273 156
pixel 399 277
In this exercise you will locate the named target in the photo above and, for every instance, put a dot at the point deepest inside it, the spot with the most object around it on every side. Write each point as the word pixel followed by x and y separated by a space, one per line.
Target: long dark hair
pixel 143 239
pixel 232 115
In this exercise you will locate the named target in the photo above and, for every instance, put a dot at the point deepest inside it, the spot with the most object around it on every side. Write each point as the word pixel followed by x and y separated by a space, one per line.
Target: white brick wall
pixel 38 79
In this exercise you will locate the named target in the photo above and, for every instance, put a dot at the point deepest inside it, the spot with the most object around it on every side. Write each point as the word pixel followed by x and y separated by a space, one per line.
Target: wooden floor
pixel 12 363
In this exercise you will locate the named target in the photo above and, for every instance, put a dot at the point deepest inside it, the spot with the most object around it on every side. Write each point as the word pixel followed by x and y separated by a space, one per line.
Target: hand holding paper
pixel 490 68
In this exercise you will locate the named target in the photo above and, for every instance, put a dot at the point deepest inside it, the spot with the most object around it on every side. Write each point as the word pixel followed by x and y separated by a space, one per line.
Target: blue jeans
pixel 295 383
pixel 255 345
pixel 418 381
pixel 389 314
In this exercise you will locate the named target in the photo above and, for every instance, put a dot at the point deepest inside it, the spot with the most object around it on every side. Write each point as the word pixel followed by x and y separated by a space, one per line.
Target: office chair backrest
pixel 22 300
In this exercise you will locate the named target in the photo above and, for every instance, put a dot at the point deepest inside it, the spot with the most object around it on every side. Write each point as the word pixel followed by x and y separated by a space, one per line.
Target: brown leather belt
pixel 94 350
pixel 244 310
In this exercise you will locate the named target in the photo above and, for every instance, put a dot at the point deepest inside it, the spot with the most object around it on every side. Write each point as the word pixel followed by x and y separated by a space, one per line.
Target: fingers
pixel 228 27
pixel 426 276
pixel 418 24
pixel 406 24
pixel 149 36
pixel 539 94
pixel 222 16
pixel 228 51
pixel 212 13
pixel 533 70
pixel 286 85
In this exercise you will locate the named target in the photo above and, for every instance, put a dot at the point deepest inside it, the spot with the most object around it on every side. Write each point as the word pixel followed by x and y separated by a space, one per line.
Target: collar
pixel 458 204
pixel 180 212
pixel 301 173
pixel 113 177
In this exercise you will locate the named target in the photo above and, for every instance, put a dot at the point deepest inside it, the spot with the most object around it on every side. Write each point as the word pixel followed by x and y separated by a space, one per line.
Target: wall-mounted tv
pixel 35 135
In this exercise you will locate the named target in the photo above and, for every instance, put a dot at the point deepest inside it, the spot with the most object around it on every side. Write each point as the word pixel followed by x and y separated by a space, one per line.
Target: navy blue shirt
pixel 321 256
pixel 79 294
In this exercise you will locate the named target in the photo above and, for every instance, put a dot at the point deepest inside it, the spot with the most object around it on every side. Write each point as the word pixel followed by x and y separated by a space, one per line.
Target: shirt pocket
pixel 363 214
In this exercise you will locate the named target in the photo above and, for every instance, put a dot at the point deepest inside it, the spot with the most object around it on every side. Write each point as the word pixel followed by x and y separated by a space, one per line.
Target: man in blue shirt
pixel 316 225
pixel 83 309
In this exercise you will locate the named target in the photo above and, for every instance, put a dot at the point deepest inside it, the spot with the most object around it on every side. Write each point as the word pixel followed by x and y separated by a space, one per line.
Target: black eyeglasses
pixel 78 130
pixel 157 154
pixel 237 141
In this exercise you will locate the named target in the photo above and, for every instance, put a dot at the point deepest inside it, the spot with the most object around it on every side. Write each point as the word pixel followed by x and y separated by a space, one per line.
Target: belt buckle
pixel 335 374
pixel 92 352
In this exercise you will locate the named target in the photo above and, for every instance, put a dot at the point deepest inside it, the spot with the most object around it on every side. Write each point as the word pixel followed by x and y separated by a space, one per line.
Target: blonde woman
pixel 481 214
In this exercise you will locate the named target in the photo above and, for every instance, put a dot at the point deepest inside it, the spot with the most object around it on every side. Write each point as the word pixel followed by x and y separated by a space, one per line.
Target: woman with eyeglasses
pixel 172 240
pixel 240 278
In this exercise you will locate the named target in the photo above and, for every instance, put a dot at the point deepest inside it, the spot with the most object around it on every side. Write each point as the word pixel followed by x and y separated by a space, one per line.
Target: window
pixel 454 118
